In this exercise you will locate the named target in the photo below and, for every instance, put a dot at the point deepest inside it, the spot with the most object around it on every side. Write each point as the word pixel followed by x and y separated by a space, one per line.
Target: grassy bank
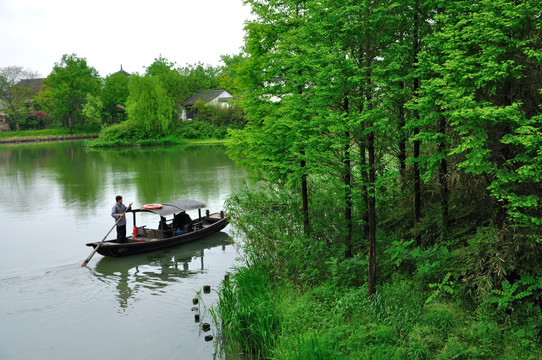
pixel 123 135
pixel 47 134
pixel 279 320
pixel 297 297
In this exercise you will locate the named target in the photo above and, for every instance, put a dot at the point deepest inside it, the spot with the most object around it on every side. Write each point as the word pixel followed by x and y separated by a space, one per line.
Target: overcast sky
pixel 35 34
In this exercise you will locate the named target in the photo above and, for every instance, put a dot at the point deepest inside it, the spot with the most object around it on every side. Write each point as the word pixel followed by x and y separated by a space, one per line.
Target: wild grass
pixel 298 298
pixel 47 133
pixel 246 313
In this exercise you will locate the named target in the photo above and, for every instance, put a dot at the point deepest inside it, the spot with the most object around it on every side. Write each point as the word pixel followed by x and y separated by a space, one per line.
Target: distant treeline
pixel 74 94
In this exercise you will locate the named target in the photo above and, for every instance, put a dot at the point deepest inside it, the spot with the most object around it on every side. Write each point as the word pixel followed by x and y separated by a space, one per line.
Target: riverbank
pixel 47 135
pixel 30 139
pixel 98 140
pixel 297 296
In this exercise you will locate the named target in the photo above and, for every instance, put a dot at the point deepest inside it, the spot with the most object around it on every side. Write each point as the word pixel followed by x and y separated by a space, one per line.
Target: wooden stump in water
pixel 207 289
pixel 208 337
pixel 195 301
pixel 196 318
pixel 205 327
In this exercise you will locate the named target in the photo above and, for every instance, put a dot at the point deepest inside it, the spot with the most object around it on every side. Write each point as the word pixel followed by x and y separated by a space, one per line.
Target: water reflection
pixel 156 270
pixel 84 174
pixel 55 198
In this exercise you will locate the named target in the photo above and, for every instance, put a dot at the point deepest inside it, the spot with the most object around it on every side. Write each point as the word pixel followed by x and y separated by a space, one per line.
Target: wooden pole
pixel 101 242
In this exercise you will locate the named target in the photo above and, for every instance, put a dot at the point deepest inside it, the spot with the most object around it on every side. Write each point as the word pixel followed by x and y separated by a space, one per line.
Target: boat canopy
pixel 175 207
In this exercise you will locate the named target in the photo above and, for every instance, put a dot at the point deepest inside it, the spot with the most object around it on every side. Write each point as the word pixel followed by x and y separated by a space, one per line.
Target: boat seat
pixel 197 225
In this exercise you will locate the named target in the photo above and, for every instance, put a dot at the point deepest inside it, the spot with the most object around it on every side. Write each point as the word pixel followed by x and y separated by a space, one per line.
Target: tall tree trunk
pixel 416 87
pixel 70 122
pixel 443 173
pixel 372 217
pixel 347 178
pixel 402 138
pixel 371 271
pixel 305 198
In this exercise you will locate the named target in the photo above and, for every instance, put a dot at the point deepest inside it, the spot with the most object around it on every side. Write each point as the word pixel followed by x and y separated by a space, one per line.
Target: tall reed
pixel 246 314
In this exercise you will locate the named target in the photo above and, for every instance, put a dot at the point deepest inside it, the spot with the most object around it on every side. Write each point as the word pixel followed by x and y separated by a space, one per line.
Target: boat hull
pixel 112 248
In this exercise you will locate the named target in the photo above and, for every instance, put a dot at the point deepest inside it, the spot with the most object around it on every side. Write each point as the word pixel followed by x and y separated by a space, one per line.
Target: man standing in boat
pixel 118 211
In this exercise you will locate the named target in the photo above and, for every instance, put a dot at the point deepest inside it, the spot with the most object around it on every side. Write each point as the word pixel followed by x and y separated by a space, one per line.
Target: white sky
pixel 35 34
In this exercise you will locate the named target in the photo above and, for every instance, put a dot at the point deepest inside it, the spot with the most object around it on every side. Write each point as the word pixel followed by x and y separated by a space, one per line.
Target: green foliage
pixel 13 94
pixel 170 80
pixel 308 347
pixel 43 100
pixel 49 132
pixel 219 116
pixel 197 77
pixel 149 107
pixel 446 286
pixel 195 129
pixel 246 312
pixel 120 134
pixel 70 82
pixel 512 294
pixel 92 110
pixel 114 96
pixel 230 76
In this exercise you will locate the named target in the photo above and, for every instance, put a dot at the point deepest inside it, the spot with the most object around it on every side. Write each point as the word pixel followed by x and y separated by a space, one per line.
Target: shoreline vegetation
pixel 26 136
pixel 195 132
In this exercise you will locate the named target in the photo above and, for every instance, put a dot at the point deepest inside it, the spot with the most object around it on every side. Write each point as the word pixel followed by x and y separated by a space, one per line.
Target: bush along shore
pixel 297 297
pixel 126 134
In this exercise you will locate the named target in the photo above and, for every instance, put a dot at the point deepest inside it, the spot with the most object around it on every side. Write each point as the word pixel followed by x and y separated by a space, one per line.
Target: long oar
pixel 101 242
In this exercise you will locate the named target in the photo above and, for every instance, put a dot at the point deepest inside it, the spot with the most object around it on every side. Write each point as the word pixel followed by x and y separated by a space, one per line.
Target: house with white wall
pixel 215 97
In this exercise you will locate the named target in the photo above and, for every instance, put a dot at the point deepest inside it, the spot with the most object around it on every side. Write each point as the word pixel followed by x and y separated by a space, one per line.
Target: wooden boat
pixel 171 232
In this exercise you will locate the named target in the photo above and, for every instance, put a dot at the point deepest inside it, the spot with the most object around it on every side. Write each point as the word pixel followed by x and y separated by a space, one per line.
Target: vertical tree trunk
pixel 347 178
pixel 371 271
pixel 443 173
pixel 70 122
pixel 305 199
pixel 371 283
pixel 402 138
pixel 365 191
pixel 416 87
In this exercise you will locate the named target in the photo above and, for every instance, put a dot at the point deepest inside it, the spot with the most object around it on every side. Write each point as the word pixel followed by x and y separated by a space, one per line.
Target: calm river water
pixel 56 197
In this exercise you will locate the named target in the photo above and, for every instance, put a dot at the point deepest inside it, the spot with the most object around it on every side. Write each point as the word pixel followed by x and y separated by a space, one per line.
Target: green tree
pixel 92 110
pixel 197 77
pixel 149 107
pixel 229 77
pixel 114 96
pixel 484 64
pixel 275 77
pixel 43 100
pixel 16 97
pixel 170 79
pixel 70 82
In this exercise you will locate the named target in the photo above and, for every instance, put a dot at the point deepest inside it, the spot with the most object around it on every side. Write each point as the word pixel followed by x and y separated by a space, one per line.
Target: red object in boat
pixel 152 206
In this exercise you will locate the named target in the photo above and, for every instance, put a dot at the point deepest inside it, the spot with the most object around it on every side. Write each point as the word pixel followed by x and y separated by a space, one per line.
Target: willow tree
pixel 149 107
pixel 170 79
